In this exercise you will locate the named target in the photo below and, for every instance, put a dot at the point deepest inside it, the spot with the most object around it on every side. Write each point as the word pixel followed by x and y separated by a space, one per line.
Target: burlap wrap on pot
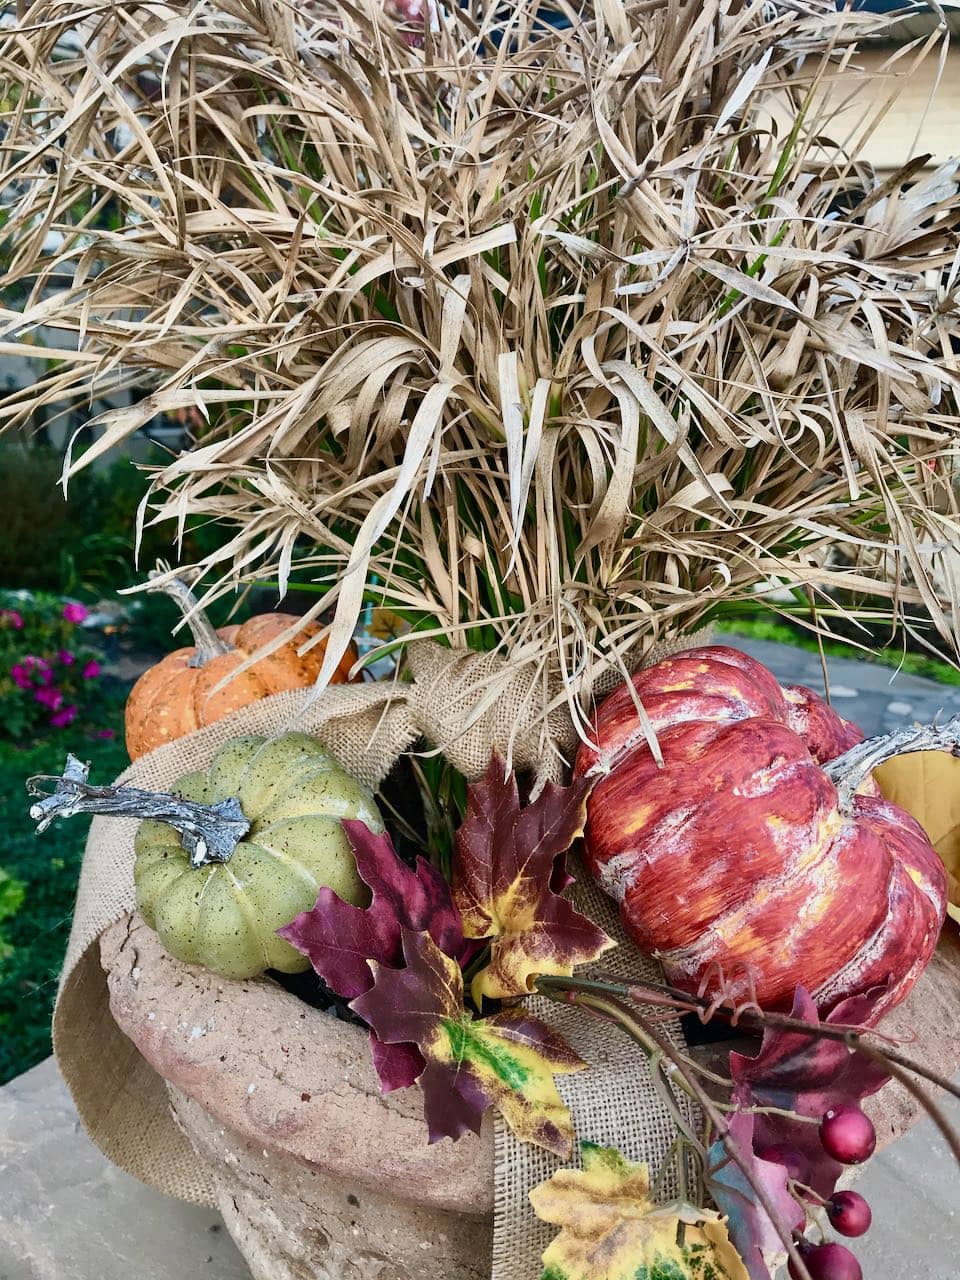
pixel 464 704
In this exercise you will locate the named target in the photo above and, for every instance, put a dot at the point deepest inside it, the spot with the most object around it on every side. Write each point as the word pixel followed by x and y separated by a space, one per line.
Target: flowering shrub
pixel 48 672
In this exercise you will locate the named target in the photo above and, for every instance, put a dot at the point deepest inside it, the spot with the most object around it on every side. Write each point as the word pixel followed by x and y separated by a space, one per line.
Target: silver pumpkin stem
pixel 208 643
pixel 849 770
pixel 208 832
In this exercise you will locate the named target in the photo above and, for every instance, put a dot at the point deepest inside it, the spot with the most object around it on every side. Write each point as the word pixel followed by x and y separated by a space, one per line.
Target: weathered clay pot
pixel 321 1177
pixel 318 1175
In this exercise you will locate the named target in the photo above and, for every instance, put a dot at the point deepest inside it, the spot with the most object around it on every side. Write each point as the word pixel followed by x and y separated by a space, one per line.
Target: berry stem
pixel 896 1064
pixel 750 1019
pixel 208 832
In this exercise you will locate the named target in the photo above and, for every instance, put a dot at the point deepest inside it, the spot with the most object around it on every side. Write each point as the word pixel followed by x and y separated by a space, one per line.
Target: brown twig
pixel 935 1112
pixel 208 832
pixel 646 1036
pixel 753 1020
pixel 896 1064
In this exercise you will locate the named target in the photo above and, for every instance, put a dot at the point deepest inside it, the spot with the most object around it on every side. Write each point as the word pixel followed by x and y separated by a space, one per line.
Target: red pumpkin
pixel 736 853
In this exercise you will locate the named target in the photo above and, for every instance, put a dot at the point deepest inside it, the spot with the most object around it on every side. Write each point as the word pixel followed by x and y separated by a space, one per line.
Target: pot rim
pixel 196 1030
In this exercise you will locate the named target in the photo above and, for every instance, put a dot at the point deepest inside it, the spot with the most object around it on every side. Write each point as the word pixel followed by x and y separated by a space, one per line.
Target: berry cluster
pixel 848 1137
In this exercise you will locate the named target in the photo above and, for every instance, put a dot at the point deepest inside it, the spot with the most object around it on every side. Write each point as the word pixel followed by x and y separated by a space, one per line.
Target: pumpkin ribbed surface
pixel 735 853
pixel 174 698
pixel 224 916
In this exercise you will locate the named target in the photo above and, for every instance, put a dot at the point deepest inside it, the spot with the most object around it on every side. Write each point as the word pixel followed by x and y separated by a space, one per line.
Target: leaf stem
pixel 649 1038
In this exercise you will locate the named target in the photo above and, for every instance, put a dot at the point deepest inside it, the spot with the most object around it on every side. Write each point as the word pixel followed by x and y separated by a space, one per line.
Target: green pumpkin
pixel 224 916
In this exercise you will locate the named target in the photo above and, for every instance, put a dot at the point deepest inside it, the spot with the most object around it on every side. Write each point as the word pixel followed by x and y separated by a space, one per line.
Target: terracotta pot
pixel 321 1177
pixel 318 1175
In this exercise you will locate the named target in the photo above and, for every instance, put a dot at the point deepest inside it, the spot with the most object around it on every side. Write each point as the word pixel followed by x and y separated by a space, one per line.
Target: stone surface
pixel 878 698
pixel 68 1214
pixel 318 1174
pixel 293 1222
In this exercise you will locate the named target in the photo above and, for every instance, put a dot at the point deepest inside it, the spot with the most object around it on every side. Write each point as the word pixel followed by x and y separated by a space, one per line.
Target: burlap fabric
pixel 613 1103
pixel 465 704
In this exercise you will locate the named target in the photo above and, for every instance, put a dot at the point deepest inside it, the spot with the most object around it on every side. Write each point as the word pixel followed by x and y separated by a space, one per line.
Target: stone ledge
pixel 67 1214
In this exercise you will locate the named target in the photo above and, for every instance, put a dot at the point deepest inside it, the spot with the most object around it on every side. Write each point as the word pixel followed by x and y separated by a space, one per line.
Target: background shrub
pixel 84 547
pixel 38 880
pixel 49 671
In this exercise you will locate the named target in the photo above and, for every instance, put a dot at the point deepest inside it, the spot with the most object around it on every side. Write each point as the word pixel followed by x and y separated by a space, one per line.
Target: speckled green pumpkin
pixel 225 916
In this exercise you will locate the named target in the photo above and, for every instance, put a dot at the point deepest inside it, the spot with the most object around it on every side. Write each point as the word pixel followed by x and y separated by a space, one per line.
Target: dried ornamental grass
pixel 548 339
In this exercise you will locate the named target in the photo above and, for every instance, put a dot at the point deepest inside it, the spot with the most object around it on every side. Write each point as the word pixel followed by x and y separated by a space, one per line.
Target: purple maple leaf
pixel 398 1065
pixel 509 871
pixel 750 1228
pixel 469 1064
pixel 339 939
pixel 807 1075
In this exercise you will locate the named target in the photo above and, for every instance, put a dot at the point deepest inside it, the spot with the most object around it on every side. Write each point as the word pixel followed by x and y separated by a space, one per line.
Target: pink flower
pixel 10 618
pixel 51 698
pixel 64 716
pixel 104 733
pixel 74 612
pixel 20 675
pixel 91 669
pixel 21 672
pixel 66 657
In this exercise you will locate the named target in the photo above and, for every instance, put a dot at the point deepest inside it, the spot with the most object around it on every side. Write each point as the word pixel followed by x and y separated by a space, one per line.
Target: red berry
pixel 795 1162
pixel 847 1135
pixel 827 1262
pixel 849 1213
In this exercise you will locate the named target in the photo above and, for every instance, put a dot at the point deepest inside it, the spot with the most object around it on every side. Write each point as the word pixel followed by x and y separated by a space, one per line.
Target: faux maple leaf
pixel 471 1064
pixel 610 1229
pixel 807 1075
pixel 507 870
pixel 754 1236
pixel 339 938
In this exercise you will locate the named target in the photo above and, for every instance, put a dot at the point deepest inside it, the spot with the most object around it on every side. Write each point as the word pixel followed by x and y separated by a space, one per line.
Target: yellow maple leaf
pixel 611 1230
pixel 927 785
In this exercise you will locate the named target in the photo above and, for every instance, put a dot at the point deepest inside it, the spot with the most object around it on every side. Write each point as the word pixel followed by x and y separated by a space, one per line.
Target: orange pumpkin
pixel 740 853
pixel 176 696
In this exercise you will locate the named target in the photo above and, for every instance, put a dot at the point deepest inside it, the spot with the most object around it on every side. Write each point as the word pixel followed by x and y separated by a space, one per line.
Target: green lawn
pixel 36 933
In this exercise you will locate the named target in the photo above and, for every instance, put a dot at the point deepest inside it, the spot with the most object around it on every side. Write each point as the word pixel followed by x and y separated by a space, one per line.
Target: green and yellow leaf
pixel 611 1230
pixel 507 1061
